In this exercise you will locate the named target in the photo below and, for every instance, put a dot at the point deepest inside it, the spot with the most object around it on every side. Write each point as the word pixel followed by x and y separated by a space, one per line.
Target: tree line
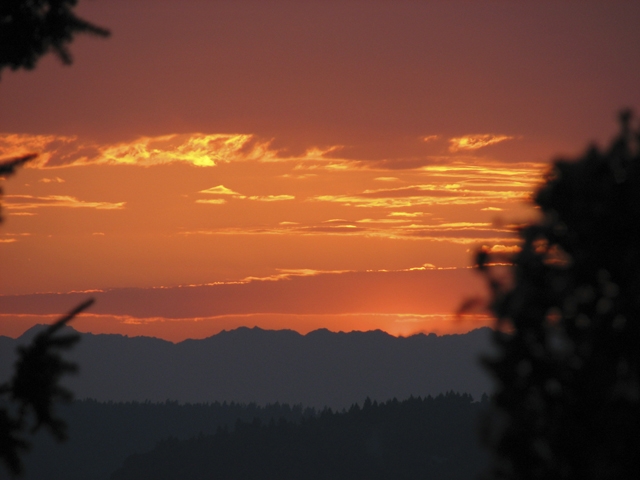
pixel 432 437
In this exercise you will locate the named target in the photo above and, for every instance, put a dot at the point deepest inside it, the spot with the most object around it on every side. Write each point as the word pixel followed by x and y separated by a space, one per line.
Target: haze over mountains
pixel 319 369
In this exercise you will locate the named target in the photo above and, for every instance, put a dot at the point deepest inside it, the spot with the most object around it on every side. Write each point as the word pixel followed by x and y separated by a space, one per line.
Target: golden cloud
pixel 271 198
pixel 212 201
pixel 28 202
pixel 51 180
pixel 417 195
pixel 387 179
pixel 198 149
pixel 396 228
pixel 219 190
pixel 473 142
pixel 222 190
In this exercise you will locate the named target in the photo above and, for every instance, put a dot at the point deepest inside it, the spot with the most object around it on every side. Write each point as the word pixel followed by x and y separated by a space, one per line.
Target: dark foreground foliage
pixel 28 397
pixel 429 437
pixel 103 434
pixel 568 399
pixel 31 28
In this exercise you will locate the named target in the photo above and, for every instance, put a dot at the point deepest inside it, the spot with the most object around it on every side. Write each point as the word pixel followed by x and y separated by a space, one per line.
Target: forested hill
pixel 433 438
pixel 246 365
pixel 102 435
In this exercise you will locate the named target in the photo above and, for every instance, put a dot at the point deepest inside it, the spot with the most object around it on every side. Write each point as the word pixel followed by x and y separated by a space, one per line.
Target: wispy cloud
pixel 220 190
pixel 51 180
pixel 409 228
pixel 271 198
pixel 28 202
pixel 12 237
pixel 473 142
pixel 224 191
pixel 211 201
pixel 387 179
pixel 419 195
pixel 197 149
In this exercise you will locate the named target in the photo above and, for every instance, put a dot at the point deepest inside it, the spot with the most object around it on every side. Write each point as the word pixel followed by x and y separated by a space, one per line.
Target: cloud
pixel 407 214
pixel 212 201
pixel 462 233
pixel 197 149
pixel 220 190
pixel 51 180
pixel 12 237
pixel 14 145
pixel 200 150
pixel 28 202
pixel 416 195
pixel 271 198
pixel 473 142
pixel 502 248
pixel 299 291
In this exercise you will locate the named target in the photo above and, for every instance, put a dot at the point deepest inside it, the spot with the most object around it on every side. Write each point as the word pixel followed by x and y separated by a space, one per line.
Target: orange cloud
pixel 51 180
pixel 416 195
pixel 502 248
pixel 14 145
pixel 473 142
pixel 197 149
pixel 462 233
pixel 201 150
pixel 28 202
pixel 300 292
pixel 387 179
pixel 271 198
pixel 211 201
pixel 220 190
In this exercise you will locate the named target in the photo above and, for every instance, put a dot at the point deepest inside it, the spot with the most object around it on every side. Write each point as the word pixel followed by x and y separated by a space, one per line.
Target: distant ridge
pixel 319 369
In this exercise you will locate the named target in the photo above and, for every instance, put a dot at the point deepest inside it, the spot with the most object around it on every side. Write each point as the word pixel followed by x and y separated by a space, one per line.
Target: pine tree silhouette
pixel 28 30
pixel 567 403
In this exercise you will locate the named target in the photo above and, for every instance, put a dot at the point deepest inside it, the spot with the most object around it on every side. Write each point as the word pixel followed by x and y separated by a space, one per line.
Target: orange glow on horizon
pixel 177 330
pixel 235 211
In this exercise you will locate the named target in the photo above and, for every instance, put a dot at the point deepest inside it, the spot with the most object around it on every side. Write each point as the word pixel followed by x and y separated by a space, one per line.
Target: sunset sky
pixel 294 164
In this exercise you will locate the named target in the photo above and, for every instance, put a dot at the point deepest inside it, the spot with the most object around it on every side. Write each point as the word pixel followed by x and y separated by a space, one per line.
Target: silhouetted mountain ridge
pixel 321 368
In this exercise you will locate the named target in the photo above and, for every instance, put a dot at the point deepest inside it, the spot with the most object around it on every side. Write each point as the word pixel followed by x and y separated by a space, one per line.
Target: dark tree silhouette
pixel 8 168
pixel 28 30
pixel 31 28
pixel 567 403
pixel 33 390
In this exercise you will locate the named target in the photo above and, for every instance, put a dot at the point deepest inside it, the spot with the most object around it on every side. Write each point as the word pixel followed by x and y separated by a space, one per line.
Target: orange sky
pixel 294 164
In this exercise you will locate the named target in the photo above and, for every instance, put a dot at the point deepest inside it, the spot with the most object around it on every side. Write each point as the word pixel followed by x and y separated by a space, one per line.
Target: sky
pixel 289 164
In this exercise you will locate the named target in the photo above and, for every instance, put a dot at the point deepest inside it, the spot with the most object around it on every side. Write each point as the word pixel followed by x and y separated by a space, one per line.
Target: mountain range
pixel 319 369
